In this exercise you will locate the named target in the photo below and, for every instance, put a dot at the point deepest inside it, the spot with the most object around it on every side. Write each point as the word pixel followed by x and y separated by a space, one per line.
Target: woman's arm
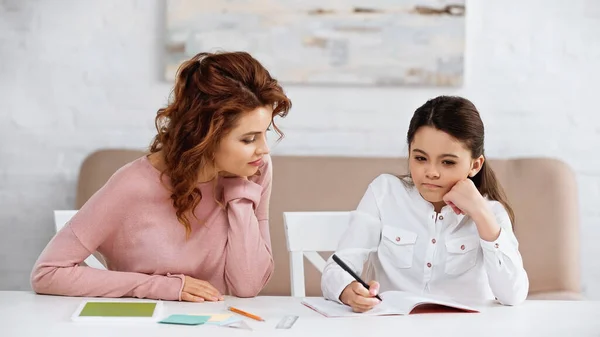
pixel 249 261
pixel 58 270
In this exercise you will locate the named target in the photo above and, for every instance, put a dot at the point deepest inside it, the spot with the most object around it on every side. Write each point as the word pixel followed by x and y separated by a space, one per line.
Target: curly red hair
pixel 211 92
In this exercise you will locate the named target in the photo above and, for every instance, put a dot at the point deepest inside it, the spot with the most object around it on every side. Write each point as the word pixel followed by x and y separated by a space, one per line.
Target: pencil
pixel 247 314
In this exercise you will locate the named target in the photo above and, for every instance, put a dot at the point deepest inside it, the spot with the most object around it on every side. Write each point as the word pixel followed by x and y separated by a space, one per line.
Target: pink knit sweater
pixel 131 222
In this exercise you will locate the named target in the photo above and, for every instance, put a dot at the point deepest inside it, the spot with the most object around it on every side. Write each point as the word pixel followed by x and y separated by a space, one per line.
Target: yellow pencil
pixel 243 313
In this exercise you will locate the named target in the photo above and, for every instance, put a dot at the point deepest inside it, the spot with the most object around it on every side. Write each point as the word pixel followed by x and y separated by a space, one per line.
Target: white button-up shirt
pixel 407 246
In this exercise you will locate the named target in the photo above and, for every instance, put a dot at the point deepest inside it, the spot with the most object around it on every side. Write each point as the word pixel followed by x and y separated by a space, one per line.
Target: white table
pixel 27 314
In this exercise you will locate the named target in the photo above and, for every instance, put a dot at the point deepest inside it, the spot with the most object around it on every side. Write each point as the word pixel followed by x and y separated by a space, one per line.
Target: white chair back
pixel 61 218
pixel 308 233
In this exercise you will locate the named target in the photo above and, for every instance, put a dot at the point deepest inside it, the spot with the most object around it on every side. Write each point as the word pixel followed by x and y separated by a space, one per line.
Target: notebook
pixel 393 303
pixel 118 311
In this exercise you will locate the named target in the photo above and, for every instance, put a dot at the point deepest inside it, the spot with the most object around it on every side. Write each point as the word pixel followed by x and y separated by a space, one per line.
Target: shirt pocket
pixel 397 246
pixel 462 254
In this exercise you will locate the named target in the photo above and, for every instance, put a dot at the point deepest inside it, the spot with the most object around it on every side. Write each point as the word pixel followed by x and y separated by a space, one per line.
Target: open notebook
pixel 393 303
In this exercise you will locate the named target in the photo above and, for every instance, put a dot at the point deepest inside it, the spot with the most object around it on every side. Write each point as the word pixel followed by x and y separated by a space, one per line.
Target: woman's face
pixel 240 152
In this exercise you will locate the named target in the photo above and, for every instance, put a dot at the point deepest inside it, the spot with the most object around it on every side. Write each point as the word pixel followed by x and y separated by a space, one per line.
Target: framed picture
pixel 345 42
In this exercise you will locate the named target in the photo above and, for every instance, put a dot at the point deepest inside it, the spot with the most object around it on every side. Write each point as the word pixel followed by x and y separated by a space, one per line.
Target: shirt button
pixel 397 239
pixel 441 217
pixel 428 265
pixel 462 247
pixel 496 245
pixel 433 241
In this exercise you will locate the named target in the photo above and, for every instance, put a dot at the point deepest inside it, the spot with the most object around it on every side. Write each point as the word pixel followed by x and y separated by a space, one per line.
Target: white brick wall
pixel 80 75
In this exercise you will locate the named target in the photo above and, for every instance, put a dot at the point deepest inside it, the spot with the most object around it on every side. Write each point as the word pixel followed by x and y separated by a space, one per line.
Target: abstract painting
pixel 343 42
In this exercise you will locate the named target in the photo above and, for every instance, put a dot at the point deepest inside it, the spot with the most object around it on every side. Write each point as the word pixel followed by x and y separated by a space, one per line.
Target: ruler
pixel 286 322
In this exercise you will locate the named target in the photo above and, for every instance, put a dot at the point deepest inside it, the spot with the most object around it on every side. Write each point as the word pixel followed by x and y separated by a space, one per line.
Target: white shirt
pixel 407 246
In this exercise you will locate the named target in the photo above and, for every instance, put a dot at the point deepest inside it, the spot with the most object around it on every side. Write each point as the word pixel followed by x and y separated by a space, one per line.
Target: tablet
pixel 94 310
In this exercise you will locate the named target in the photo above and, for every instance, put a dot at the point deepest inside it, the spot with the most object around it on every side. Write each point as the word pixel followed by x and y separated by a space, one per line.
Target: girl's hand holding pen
pixel 359 298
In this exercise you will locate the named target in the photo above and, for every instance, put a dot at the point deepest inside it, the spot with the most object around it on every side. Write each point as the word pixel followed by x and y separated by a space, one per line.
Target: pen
pixel 243 313
pixel 356 277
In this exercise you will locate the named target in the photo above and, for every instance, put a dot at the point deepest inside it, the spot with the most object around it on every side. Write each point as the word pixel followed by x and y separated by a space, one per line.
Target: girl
pixel 190 220
pixel 444 229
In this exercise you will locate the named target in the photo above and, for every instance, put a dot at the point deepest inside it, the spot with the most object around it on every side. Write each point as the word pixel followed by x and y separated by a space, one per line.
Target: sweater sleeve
pixel 360 239
pixel 503 263
pixel 58 270
pixel 249 262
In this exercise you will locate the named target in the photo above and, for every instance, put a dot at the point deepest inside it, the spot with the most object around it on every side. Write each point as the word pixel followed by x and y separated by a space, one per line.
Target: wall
pixel 76 76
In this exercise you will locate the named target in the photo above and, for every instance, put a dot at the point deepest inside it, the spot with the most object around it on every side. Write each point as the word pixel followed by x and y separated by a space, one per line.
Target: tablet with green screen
pixel 117 310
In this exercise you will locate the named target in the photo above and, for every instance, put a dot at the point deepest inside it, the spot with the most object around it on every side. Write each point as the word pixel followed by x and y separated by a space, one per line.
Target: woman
pixel 190 220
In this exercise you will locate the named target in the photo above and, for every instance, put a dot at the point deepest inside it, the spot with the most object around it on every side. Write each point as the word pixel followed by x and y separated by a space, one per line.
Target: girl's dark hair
pixel 459 118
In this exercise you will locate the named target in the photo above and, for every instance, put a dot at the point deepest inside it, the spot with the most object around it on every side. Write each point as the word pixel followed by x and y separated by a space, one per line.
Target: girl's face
pixel 437 161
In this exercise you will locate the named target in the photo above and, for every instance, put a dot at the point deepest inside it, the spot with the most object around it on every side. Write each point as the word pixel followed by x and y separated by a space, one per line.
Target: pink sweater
pixel 131 222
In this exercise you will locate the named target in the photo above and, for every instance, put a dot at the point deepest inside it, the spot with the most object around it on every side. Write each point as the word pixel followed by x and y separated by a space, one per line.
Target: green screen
pixel 118 309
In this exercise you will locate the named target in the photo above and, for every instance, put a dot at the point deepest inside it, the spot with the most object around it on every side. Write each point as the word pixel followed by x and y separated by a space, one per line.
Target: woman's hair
pixel 212 91
pixel 459 118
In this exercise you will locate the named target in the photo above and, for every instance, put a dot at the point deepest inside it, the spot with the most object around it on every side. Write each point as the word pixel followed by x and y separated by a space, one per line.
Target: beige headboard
pixel 542 192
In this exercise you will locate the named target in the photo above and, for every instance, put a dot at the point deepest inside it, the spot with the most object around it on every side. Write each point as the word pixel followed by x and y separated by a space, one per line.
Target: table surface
pixel 27 314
